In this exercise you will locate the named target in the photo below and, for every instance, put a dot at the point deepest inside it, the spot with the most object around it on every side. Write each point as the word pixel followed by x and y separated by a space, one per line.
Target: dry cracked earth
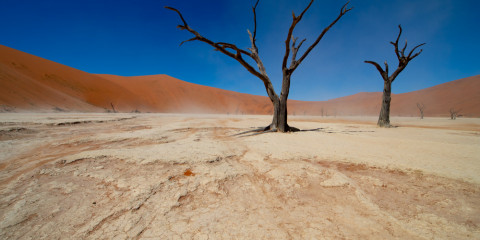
pixel 146 176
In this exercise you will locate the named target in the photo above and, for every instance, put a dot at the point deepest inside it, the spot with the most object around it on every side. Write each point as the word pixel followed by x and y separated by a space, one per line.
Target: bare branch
pixel 343 11
pixel 299 45
pixel 253 38
pixel 410 57
pixel 290 32
pixel 233 47
pixel 379 68
pixel 404 47
pixel 401 54
pixel 219 46
pixel 191 39
pixel 179 14
pixel 222 47
pixel 395 44
pixel 295 50
pixel 255 56
pixel 453 110
pixel 421 106
pixel 255 21
pixel 402 59
pixel 397 71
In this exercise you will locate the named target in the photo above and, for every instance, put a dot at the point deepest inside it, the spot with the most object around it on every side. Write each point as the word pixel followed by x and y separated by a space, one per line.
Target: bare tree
pixel 421 107
pixel 113 108
pixel 292 46
pixel 384 118
pixel 454 113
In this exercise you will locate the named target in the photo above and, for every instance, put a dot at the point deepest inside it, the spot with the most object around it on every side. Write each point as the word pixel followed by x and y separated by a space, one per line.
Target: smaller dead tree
pixel 454 113
pixel 384 118
pixel 421 107
pixel 113 108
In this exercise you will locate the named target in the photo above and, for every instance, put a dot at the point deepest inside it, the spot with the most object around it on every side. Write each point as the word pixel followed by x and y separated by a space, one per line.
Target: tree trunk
pixel 279 122
pixel 384 118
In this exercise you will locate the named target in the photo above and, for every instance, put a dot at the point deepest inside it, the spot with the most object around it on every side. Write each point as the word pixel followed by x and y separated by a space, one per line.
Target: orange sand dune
pixel 32 83
pixel 162 93
pixel 463 94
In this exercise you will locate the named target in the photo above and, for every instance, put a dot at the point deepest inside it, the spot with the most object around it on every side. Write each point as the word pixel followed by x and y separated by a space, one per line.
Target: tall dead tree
pixel 421 107
pixel 292 46
pixel 384 118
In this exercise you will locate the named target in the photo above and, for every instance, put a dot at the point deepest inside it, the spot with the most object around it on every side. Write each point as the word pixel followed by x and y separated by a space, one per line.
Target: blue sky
pixel 133 38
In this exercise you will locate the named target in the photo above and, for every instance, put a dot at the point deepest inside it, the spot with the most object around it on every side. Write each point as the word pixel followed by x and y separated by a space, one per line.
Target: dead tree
pixel 454 113
pixel 384 118
pixel 113 108
pixel 292 46
pixel 421 107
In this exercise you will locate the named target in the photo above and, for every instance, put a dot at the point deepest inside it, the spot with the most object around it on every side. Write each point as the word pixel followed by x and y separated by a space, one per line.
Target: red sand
pixel 31 83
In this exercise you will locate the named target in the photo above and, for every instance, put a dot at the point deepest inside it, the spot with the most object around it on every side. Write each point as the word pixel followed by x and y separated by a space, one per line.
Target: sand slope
pixel 32 83
pixel 167 94
pixel 463 94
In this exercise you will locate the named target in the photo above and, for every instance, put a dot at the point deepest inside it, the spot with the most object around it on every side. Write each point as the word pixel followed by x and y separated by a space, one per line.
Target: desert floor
pixel 166 176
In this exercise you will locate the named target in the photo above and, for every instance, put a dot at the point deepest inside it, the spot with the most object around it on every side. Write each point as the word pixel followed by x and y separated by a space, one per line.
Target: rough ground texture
pixel 111 176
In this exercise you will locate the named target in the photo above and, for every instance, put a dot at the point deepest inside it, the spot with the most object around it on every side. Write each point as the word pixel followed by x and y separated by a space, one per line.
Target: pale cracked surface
pixel 153 176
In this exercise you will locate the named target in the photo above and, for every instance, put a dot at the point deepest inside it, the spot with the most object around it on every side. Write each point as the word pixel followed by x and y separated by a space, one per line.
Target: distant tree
pixel 454 113
pixel 421 107
pixel 113 108
pixel 384 118
pixel 279 122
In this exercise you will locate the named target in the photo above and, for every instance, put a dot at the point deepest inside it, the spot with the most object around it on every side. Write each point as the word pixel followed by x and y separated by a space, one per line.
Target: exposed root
pixel 266 129
pixel 287 129
pixel 258 133
pixel 293 129
pixel 90 121
pixel 250 131
pixel 386 125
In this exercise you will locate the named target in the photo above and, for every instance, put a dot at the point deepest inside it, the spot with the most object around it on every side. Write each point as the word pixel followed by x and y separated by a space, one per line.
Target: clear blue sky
pixel 132 38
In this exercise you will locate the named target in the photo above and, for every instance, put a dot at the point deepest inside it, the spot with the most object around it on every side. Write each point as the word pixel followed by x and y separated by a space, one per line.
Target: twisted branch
pixel 223 47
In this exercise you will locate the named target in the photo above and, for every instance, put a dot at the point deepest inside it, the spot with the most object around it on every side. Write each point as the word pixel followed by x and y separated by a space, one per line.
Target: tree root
pixel 266 129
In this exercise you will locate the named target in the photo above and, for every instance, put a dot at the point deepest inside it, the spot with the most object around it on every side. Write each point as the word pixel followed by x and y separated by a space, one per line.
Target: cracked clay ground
pixel 154 176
